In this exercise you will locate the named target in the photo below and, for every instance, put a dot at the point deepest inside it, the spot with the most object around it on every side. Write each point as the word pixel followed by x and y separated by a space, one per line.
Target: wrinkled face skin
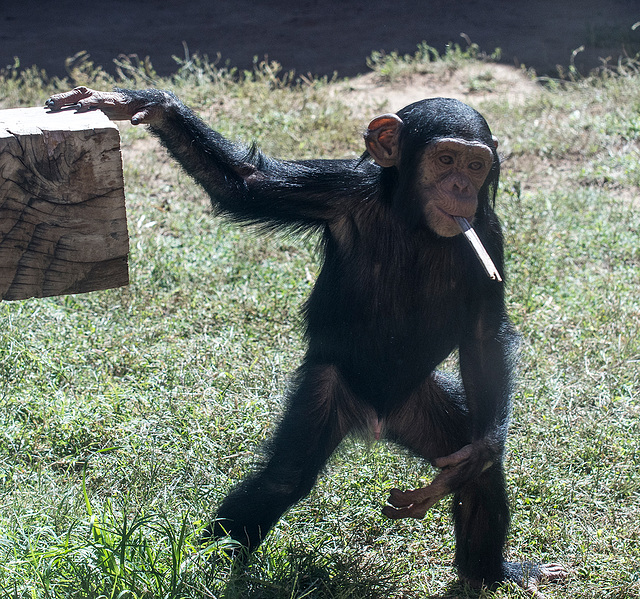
pixel 451 172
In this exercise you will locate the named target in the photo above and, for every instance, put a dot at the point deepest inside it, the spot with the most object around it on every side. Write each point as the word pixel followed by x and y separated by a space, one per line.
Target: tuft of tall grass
pixel 393 66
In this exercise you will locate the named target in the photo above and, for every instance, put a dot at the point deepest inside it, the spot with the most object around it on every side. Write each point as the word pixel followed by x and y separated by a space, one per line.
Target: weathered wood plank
pixel 63 222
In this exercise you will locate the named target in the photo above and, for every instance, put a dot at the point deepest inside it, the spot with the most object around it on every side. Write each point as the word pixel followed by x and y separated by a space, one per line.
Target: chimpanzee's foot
pixel 533 574
pixel 233 549
pixel 529 575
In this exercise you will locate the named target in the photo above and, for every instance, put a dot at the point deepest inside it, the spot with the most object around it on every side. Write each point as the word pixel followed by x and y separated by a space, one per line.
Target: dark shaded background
pixel 312 36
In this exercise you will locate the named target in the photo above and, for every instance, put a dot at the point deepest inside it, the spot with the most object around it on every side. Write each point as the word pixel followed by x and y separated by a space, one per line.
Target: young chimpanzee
pixel 399 290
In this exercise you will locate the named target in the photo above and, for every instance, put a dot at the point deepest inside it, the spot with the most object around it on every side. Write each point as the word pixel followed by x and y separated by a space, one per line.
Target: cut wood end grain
pixel 63 225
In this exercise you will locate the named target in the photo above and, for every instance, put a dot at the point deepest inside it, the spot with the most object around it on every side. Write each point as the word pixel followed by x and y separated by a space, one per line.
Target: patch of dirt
pixel 472 83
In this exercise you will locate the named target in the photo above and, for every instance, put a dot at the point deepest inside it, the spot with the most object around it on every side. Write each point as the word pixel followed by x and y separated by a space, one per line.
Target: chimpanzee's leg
pixel 434 423
pixel 481 516
pixel 320 412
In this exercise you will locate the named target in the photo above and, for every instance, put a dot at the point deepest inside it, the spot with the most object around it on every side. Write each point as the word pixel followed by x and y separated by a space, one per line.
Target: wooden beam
pixel 63 226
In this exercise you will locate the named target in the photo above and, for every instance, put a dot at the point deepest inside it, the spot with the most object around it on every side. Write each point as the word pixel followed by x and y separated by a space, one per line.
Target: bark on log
pixel 63 225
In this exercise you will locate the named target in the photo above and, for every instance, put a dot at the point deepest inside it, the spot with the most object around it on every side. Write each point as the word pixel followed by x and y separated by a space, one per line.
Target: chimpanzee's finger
pixel 140 117
pixel 68 99
pixel 86 105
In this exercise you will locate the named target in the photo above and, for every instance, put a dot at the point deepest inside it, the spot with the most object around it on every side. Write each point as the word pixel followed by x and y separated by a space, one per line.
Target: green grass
pixel 126 415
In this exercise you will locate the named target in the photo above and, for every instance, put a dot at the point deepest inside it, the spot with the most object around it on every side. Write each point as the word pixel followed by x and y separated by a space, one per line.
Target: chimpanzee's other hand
pixel 456 469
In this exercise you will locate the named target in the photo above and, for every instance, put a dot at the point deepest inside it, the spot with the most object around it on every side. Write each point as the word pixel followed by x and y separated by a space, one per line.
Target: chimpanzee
pixel 399 290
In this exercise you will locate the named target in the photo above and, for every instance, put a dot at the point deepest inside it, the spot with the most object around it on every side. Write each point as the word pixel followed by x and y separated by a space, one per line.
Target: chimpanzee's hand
pixel 118 105
pixel 457 469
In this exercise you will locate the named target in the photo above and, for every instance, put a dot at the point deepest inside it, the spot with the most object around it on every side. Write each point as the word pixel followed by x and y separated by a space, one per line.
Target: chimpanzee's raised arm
pixel 243 183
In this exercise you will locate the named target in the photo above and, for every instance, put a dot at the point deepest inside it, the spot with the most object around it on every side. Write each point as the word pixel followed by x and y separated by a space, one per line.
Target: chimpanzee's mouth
pixel 455 217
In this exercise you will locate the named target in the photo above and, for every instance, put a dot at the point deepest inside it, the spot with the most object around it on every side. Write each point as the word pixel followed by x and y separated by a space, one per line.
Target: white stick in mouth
pixel 478 248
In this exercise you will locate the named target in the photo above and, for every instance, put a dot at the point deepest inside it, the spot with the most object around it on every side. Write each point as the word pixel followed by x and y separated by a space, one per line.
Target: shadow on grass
pixel 298 572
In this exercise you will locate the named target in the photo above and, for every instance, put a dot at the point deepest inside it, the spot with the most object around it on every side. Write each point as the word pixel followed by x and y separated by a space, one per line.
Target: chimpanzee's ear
pixel 381 139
